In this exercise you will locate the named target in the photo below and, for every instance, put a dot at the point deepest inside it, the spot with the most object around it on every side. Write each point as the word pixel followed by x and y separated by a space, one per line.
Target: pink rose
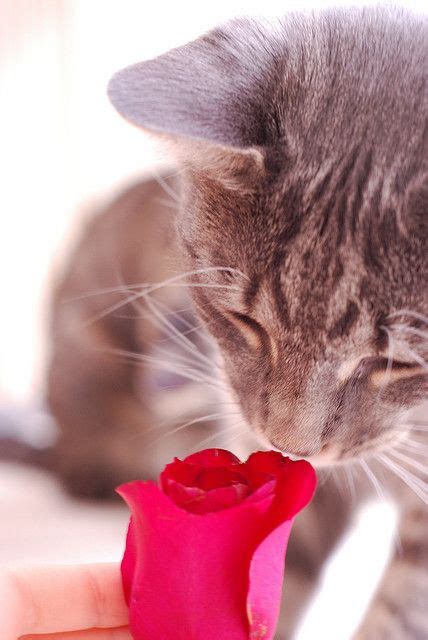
pixel 204 556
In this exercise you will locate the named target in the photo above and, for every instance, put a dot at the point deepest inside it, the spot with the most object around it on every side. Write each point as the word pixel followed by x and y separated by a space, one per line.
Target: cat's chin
pixel 329 455
pixel 333 455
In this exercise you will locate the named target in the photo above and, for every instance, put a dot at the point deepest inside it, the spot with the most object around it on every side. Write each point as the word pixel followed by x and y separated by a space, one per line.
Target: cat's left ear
pixel 208 98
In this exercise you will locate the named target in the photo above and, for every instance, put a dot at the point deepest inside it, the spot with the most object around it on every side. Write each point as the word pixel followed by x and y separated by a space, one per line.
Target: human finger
pixel 122 633
pixel 50 599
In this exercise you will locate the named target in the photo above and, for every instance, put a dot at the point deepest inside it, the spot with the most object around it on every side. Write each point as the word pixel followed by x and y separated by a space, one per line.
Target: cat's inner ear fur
pixel 206 99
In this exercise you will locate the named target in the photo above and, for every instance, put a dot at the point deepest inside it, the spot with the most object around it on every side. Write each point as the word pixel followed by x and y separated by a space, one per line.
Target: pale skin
pixel 83 602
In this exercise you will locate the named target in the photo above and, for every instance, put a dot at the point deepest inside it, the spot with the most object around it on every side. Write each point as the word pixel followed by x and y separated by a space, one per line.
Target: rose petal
pixel 295 488
pixel 181 472
pixel 215 477
pixel 183 496
pixel 255 478
pixel 266 580
pixel 212 458
pixel 129 561
pixel 266 461
pixel 196 500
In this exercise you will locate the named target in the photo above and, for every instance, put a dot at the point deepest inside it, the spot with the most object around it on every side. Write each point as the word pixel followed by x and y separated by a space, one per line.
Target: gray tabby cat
pixel 304 185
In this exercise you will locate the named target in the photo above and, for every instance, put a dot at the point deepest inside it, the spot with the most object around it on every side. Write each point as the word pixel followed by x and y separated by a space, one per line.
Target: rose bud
pixel 205 552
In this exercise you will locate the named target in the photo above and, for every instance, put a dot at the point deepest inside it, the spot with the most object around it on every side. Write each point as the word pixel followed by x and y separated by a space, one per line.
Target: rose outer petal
pixel 266 462
pixel 129 561
pixel 295 488
pixel 266 581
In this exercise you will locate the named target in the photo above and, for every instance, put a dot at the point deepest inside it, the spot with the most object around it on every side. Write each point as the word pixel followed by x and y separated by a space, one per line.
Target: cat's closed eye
pixel 253 332
pixel 380 371
pixel 388 372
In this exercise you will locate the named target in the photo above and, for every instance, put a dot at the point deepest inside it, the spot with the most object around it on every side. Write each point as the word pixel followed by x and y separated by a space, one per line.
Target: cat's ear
pixel 207 97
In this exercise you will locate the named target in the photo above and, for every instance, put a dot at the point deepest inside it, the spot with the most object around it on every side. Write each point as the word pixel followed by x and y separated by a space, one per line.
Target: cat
pixel 302 223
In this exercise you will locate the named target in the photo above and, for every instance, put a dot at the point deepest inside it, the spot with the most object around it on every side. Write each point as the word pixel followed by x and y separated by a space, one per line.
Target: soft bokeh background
pixel 63 148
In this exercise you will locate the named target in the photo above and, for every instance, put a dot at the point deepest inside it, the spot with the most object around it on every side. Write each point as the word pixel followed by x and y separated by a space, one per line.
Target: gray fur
pixel 202 90
pixel 337 103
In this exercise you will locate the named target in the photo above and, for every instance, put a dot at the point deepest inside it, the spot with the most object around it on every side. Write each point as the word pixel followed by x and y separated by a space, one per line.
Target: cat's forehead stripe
pixel 345 322
pixel 252 290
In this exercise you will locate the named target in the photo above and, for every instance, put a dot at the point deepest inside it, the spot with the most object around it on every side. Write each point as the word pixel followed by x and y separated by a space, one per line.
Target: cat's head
pixel 304 147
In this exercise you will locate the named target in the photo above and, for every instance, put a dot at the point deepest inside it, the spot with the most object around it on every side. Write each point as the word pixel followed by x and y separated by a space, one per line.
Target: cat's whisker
pixel 141 437
pixel 351 481
pixel 186 372
pixel 409 312
pixel 408 461
pixel 186 333
pixel 416 423
pixel 182 320
pixel 142 287
pixel 189 423
pixel 404 346
pixel 167 203
pixel 184 360
pixel 415 434
pixel 224 412
pixel 416 357
pixel 404 328
pixel 337 482
pixel 221 403
pixel 110 309
pixel 221 433
pixel 207 338
pixel 414 483
pixel 141 294
pixel 187 362
pixel 240 434
pixel 166 187
pixel 415 428
pixel 210 416
pixel 180 340
pixel 176 171
pixel 149 287
pixel 373 479
pixel 324 475
pixel 418 448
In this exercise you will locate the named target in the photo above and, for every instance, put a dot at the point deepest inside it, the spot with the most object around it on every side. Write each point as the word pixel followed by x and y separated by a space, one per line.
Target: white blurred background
pixel 63 148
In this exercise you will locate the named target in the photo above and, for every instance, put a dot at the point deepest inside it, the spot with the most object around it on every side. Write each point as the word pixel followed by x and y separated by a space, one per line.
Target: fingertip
pixel 49 599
